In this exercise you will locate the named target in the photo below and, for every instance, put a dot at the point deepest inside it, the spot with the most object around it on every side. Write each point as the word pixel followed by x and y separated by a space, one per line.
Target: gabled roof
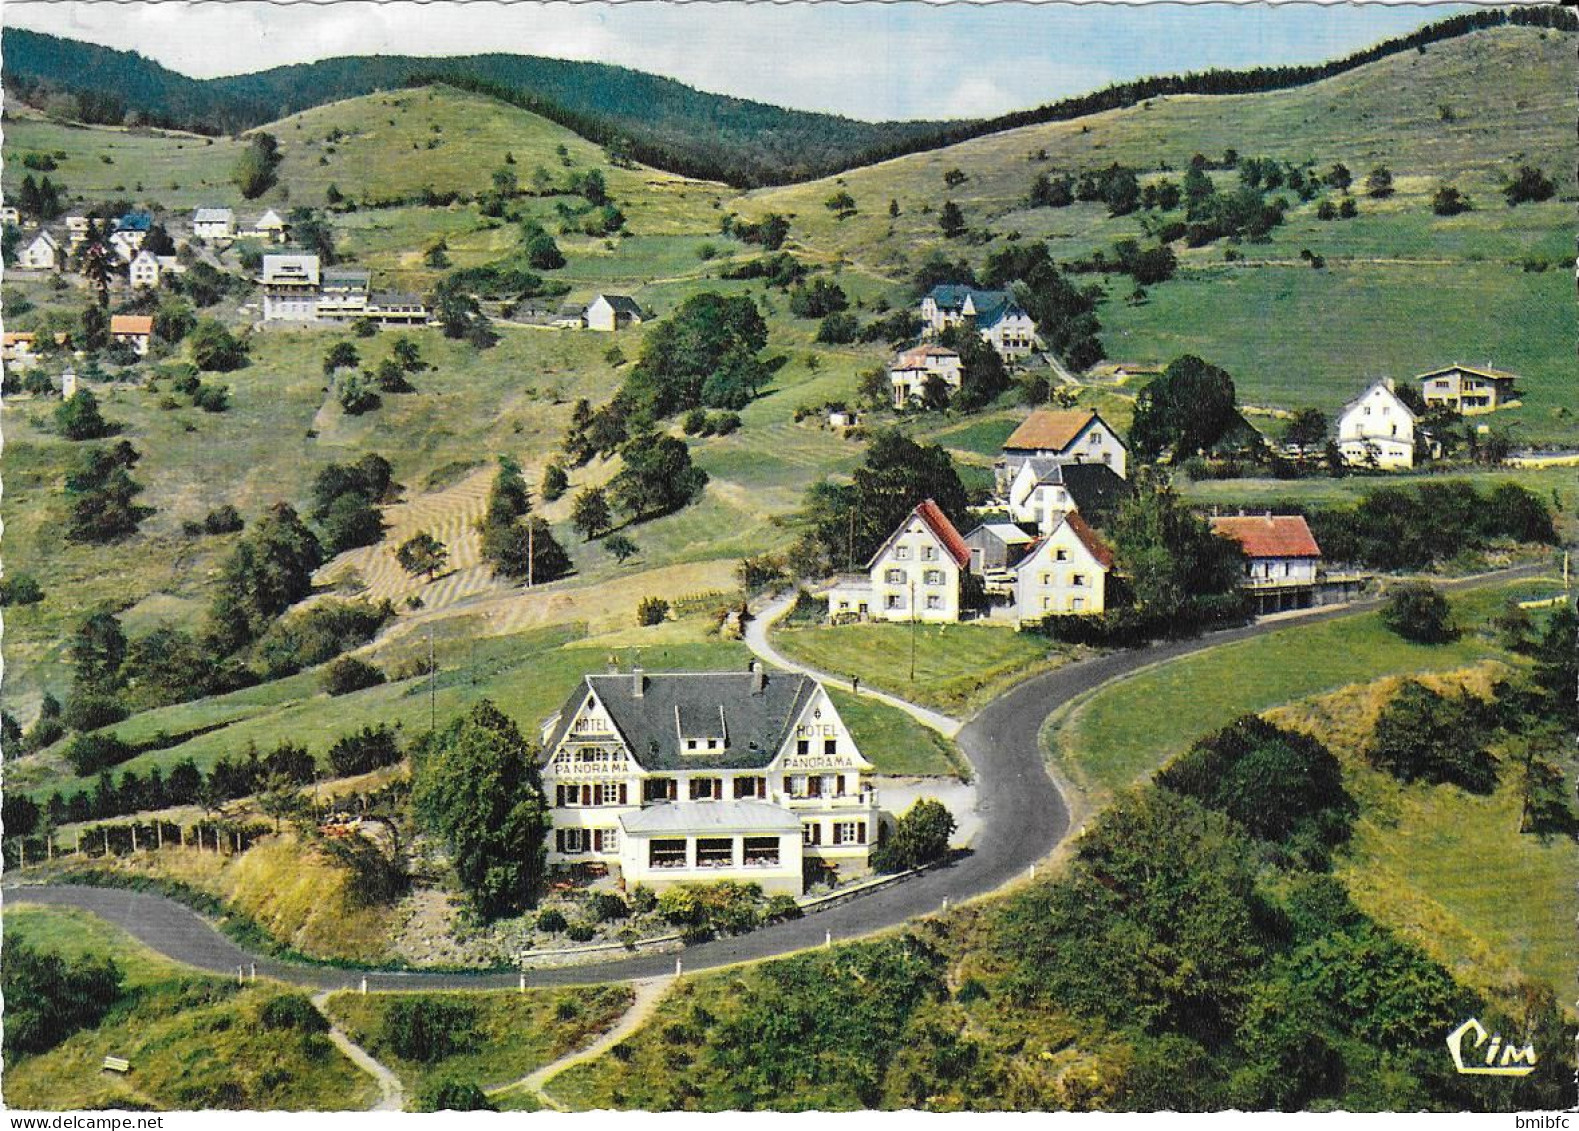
pixel 1052 430
pixel 1485 371
pixel 270 219
pixel 917 358
pixel 131 324
pixel 1083 533
pixel 622 304
pixel 47 238
pixel 1386 386
pixel 1269 535
pixel 1095 487
pixel 757 722
pixel 144 253
pixel 933 518
pixel 213 216
pixel 1006 532
pixel 134 222
pixel 990 307
pixel 290 268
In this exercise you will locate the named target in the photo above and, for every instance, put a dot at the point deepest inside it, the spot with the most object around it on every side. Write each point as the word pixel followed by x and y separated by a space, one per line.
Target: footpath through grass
pixel 194 1041
pixel 958 667
pixel 499 1036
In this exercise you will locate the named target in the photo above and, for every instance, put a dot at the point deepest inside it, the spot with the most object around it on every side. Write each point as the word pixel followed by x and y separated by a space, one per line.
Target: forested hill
pixel 655 120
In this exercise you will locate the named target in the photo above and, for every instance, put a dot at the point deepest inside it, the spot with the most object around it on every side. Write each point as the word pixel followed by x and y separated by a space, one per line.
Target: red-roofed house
pixel 1064 574
pixel 913 576
pixel 132 328
pixel 1281 558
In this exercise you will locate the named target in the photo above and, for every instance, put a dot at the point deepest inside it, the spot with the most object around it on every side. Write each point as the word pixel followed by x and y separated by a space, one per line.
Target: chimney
pixel 758 677
pixel 638 682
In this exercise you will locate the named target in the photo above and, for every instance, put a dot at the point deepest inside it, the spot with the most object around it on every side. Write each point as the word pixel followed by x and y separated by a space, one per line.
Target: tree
pixel 590 514
pixel 920 837
pixel 101 494
pixel 1178 569
pixel 951 220
pixel 356 394
pixel 706 353
pixel 405 351
pixel 78 418
pixel 1448 201
pixel 1185 411
pixel 269 571
pixel 658 477
pixel 98 652
pixel 422 553
pixel 525 549
pixel 555 483
pixel 1379 182
pixel 1422 735
pixel 1305 430
pixel 95 328
pixel 1544 806
pixel 475 784
pixel 49 997
pixel 620 547
pixel 348 674
pixel 1418 612
pixel 280 797
pixel 651 611
pixel 983 376
pixel 254 170
pixel 215 348
pixel 1528 184
pixel 173 321
pixel 1339 177
pixel 453 1095
pixel 341 355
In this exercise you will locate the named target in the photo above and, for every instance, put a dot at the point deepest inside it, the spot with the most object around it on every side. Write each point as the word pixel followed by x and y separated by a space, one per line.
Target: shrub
pixel 551 921
pixel 348 674
pixel 453 1095
pixel 643 899
pixel 1417 612
pixel 90 753
pixel 23 589
pixel 364 751
pixel 920 837
pixel 223 520
pixel 780 908
pixel 292 1011
pixel 427 1029
pixel 49 997
pixel 86 711
pixel 651 611
pixel 1425 736
pixel 580 932
pixel 723 423
pixel 607 906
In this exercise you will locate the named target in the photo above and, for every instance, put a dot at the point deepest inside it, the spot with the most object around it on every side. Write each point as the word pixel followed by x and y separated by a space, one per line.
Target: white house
pixel 997 317
pixel 1377 429
pixel 343 293
pixel 43 254
pixel 144 270
pixel 1282 559
pixel 270 227
pixel 126 245
pixel 1064 574
pixel 290 288
pixel 909 373
pixel 214 223
pixel 77 228
pixel 1062 436
pixel 16 348
pixel 915 574
pixel 1467 389
pixel 608 313
pixel 696 776
pixel 1045 488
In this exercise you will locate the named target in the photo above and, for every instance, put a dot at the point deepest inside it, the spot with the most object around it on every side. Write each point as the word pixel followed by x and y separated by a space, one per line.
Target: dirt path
pixel 648 994
pixel 392 1095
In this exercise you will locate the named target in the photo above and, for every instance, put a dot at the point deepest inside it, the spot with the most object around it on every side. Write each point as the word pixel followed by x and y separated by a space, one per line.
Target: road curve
pixel 1023 819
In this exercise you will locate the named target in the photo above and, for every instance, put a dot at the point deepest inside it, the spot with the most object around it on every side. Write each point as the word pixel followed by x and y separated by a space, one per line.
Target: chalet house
pixel 1062 436
pixel 134 329
pixel 608 313
pixel 270 227
pixel 1467 389
pixel 997 546
pixel 43 254
pixel 290 288
pixel 130 232
pixel 214 223
pixel 144 270
pixel 1064 574
pixel 342 293
pixel 915 574
pixel 17 348
pixel 997 317
pixel 126 245
pixel 908 375
pixel 1282 559
pixel 1377 429
pixel 1046 488
pixel 688 776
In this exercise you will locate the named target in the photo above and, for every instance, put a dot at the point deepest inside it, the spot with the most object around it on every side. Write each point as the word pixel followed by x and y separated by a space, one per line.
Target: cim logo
pixel 1514 1061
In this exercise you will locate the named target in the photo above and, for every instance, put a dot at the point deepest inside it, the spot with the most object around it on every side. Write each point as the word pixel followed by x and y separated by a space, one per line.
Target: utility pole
pixel 913 623
pixel 531 551
pixel 433 714
pixel 850 552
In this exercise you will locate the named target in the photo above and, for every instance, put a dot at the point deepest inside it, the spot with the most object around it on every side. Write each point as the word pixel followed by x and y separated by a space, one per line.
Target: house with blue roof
pixel 998 318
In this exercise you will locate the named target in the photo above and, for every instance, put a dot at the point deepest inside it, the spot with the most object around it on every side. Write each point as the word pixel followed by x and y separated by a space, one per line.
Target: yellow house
pixel 1065 574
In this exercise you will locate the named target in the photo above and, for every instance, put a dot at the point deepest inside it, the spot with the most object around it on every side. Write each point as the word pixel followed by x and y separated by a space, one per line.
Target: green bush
pixel 22 589
pixel 1417 612
pixel 607 906
pixel 580 932
pixel 90 753
pixel 920 837
pixel 651 611
pixel 48 997
pixel 348 674
pixel 453 1095
pixel 292 1011
pixel 551 921
pixel 429 1028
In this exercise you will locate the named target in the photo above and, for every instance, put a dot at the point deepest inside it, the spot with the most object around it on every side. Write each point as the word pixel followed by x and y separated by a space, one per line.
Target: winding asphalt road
pixel 1024 818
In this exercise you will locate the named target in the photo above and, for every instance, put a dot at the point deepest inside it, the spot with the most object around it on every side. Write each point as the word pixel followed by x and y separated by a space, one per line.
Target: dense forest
pixel 642 117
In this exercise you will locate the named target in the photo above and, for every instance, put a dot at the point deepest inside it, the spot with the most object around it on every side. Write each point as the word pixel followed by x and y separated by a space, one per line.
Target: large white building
pixel 996 316
pixel 1282 558
pixel 1377 429
pixel 915 574
pixel 290 288
pixel 43 254
pixel 694 776
pixel 908 375
pixel 1065 573
pixel 1061 436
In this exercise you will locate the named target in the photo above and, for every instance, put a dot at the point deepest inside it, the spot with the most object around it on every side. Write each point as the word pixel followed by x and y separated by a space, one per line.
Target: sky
pixel 865 60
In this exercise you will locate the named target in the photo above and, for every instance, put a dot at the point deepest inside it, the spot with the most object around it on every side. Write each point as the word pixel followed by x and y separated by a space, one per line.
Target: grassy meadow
pixel 195 1041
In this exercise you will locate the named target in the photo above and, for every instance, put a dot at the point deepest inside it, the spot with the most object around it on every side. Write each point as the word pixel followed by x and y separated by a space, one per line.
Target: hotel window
pixel 660 789
pixel 666 854
pixel 901 553
pixel 751 787
pixel 715 852
pixel 1060 555
pixel 934 601
pixel 811 833
pixel 706 789
pixel 570 841
pixel 895 601
pixel 849 832
pixel 802 747
pixel 1077 604
pixel 761 851
pixel 605 840
pixel 814 786
pixel 830 747
pixel 895 577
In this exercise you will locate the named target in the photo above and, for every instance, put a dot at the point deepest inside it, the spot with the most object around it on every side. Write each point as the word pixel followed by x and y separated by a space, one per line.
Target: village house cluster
pixel 298 288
